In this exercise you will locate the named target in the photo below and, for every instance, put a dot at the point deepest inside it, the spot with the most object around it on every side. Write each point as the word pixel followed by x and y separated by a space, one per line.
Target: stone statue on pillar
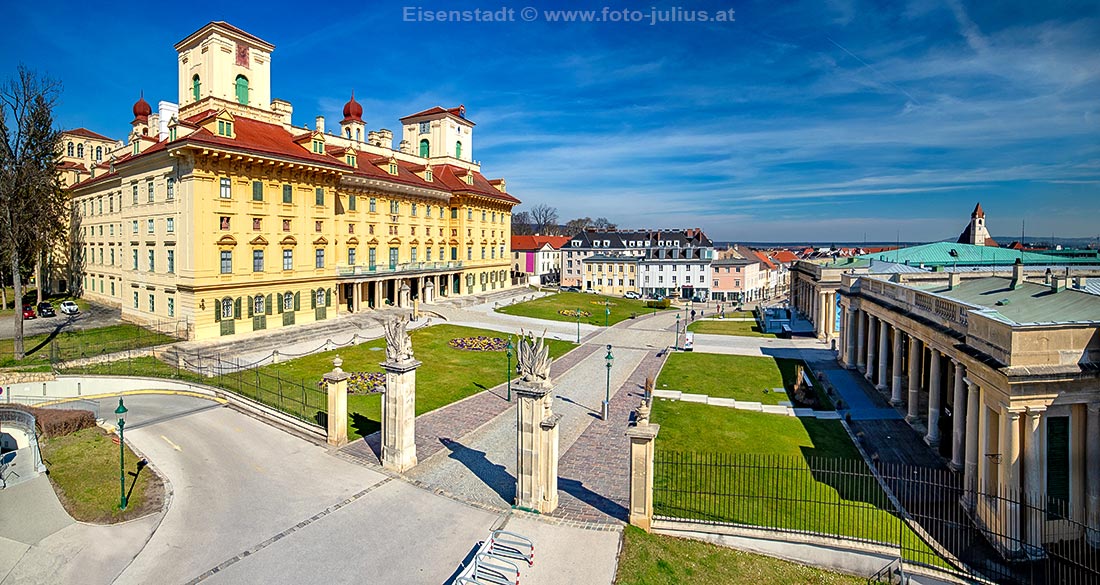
pixel 399 399
pixel 537 437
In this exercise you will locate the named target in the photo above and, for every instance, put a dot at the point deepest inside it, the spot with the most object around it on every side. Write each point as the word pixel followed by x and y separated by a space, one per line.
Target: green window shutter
pixel 250 305
pixel 1058 462
pixel 297 301
pixel 312 299
pixel 237 308
pixel 267 306
pixel 279 304
pixel 217 311
pixel 328 297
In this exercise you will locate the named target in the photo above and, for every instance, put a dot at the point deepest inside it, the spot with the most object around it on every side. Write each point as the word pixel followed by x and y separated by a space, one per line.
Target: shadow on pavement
pixel 597 501
pixel 493 475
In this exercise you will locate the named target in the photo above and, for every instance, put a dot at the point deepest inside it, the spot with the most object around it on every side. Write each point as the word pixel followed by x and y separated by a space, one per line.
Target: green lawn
pixel 767 478
pixel 725 327
pixel 723 376
pixel 547 308
pixel 652 559
pixel 84 471
pixel 78 343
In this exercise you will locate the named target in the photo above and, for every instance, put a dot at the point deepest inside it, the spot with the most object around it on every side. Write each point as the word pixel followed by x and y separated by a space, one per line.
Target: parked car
pixel 590 291
pixel 28 312
pixel 570 289
pixel 69 308
pixel 46 310
pixel 632 295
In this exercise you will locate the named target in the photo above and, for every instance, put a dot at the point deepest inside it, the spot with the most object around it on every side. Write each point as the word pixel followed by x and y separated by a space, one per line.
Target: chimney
pixel 321 124
pixel 953 280
pixel 1057 284
pixel 1017 274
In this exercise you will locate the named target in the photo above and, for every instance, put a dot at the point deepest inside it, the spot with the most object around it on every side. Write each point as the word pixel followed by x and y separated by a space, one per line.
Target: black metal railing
pixel 923 514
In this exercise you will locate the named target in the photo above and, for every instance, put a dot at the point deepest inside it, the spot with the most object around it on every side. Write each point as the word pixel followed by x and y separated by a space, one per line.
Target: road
pixel 250 503
pixel 94 316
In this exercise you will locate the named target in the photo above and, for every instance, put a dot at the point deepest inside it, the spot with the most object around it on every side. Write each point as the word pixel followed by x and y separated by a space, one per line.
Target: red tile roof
pixel 88 134
pixel 531 243
pixel 459 112
pixel 785 257
pixel 764 259
pixel 254 135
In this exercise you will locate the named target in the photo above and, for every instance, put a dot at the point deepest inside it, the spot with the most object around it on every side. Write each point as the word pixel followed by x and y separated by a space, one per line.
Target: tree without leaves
pixel 576 226
pixel 33 208
pixel 521 224
pixel 544 219
pixel 603 224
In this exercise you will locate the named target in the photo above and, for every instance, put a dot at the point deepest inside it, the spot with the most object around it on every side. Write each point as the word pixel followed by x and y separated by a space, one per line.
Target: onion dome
pixel 352 110
pixel 142 109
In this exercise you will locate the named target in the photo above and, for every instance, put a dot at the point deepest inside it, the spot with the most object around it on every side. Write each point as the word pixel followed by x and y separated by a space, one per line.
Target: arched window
pixel 458 149
pixel 99 153
pixel 358 136
pixel 227 304
pixel 424 148
pixel 70 149
pixel 347 131
pixel 242 89
pixel 195 87
pixel 79 151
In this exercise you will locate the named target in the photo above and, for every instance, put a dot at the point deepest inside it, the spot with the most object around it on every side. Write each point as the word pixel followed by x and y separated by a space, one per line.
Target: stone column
pixel 958 418
pixel 356 297
pixel 399 415
pixel 933 436
pixel 916 355
pixel 883 347
pixel 1010 478
pixel 973 410
pixel 642 436
pixel 1033 477
pixel 896 398
pixel 537 463
pixel 379 301
pixel 1092 473
pixel 336 385
pixel 850 338
pixel 872 329
pixel 861 340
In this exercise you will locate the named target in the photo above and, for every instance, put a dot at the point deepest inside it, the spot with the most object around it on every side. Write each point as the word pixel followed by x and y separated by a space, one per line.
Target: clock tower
pixel 222 66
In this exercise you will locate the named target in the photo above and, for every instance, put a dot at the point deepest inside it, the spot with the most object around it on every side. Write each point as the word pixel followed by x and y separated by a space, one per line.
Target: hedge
pixel 53 422
pixel 661 304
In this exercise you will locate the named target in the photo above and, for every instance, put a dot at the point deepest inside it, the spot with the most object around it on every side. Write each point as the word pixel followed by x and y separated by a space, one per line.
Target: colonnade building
pixel 220 211
pixel 1002 375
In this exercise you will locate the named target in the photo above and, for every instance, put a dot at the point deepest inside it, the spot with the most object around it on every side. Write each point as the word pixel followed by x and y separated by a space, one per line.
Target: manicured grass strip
pixel 652 559
pixel 84 471
pixel 80 343
pixel 725 327
pixel 548 307
pixel 739 377
pixel 803 474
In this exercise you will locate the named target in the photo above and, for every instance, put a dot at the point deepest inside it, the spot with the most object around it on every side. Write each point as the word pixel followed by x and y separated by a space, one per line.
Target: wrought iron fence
pixel 924 514
pixel 79 343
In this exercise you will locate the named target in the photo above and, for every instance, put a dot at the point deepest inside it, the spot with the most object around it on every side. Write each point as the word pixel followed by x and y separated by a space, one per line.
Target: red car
pixel 28 312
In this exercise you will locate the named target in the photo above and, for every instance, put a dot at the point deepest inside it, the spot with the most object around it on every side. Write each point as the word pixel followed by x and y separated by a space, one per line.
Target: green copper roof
pixel 1029 303
pixel 949 253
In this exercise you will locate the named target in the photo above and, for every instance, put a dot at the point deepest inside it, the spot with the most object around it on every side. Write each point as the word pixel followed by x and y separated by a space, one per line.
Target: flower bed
pixel 573 313
pixel 360 383
pixel 479 343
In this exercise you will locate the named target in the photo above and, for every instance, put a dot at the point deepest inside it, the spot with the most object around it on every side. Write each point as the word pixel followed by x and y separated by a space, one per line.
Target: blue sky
pixel 827 121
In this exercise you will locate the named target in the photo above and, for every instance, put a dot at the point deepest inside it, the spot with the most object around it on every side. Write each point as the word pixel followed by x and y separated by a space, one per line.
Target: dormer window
pixel 428 175
pixel 137 148
pixel 393 167
pixel 350 158
pixel 225 128
pixel 469 178
pixel 318 147
pixel 172 133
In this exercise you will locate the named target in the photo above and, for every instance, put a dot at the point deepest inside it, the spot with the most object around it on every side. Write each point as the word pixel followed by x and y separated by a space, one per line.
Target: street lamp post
pixel 121 413
pixel 607 394
pixel 508 351
pixel 578 325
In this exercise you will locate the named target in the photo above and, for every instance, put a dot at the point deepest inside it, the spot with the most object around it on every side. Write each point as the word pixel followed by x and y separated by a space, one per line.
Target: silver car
pixel 69 308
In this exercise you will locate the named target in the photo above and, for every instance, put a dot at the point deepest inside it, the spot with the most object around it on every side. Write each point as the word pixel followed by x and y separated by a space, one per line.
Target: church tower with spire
pixel 976 232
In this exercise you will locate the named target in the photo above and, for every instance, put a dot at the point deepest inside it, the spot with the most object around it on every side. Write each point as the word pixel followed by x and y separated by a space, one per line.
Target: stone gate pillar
pixel 429 292
pixel 336 384
pixel 403 294
pixel 399 399
pixel 642 436
pixel 536 450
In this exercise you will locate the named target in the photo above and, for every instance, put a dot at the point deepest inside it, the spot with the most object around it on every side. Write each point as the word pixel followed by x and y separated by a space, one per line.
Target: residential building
pixel 227 215
pixel 737 280
pixel 538 257
pixel 672 262
pixel 1001 374
pixel 611 274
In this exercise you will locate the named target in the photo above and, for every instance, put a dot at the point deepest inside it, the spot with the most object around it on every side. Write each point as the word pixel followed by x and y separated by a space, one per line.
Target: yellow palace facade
pixel 220 212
